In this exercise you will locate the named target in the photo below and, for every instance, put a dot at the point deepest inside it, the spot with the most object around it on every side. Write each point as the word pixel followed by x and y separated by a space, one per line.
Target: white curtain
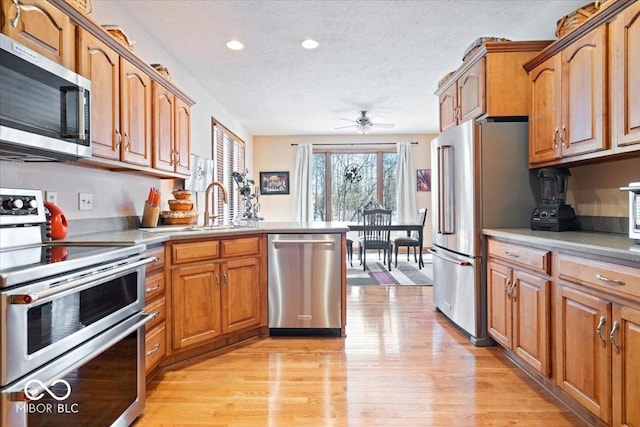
pixel 406 184
pixel 302 196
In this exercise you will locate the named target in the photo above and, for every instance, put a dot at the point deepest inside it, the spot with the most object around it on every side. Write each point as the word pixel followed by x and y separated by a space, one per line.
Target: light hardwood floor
pixel 401 364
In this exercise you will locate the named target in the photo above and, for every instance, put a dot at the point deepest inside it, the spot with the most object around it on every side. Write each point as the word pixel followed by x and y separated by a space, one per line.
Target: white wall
pixel 275 153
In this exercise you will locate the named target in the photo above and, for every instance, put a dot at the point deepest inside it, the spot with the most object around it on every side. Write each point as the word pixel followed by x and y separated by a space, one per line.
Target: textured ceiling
pixel 382 56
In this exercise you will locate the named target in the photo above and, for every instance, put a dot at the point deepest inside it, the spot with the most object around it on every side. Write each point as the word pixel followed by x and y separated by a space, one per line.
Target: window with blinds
pixel 229 156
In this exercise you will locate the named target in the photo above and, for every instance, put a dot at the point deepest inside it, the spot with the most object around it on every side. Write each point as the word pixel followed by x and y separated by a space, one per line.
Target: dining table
pixel 397 226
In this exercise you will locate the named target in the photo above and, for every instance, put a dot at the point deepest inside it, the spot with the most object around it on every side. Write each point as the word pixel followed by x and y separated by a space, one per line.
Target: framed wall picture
pixel 424 179
pixel 274 183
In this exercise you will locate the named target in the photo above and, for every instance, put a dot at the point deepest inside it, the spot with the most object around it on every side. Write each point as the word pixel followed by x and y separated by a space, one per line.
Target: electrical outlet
pixel 85 201
pixel 51 196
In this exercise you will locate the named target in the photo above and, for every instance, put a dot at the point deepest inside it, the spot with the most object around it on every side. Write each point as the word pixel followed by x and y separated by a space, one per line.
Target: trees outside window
pixel 344 183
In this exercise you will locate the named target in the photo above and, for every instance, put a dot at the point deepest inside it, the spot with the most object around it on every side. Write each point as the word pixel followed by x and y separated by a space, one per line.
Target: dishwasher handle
pixel 303 242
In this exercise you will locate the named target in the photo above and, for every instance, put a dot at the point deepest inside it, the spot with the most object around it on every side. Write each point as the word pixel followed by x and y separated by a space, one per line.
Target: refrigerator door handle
pixel 449 259
pixel 446 206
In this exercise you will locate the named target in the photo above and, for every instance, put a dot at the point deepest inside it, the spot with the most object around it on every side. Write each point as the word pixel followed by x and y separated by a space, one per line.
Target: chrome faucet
pixel 207 216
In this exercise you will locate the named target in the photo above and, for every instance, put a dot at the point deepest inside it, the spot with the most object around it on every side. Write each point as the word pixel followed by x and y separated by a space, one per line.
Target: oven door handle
pixel 85 282
pixel 18 393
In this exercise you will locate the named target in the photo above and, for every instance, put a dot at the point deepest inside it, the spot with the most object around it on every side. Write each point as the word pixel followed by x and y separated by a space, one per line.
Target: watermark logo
pixel 34 390
pixel 34 395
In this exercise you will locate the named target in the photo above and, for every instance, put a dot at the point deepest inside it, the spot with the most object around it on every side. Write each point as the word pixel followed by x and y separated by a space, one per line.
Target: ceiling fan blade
pixel 348 120
pixel 384 125
pixel 344 127
pixel 377 118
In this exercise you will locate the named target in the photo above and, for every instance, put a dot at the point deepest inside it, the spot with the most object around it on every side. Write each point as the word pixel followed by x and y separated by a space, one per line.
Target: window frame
pixel 327 152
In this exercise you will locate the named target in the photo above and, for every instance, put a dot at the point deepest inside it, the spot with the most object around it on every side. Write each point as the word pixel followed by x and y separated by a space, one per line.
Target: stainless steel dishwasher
pixel 305 285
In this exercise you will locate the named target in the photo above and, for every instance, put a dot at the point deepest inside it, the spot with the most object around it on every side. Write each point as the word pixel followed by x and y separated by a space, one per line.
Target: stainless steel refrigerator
pixel 480 179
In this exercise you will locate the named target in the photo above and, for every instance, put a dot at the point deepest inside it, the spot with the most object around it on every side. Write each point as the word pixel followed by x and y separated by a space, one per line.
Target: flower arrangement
pixel 247 189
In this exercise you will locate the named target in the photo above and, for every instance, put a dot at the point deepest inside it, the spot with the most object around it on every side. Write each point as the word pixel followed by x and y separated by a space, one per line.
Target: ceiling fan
pixel 363 123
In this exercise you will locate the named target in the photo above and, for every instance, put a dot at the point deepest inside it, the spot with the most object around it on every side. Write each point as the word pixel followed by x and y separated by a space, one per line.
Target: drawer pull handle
pixel 217 280
pixel 153 350
pixel 514 294
pixel 507 288
pixel 512 254
pixel 607 280
pixel 612 336
pixel 599 329
pixel 153 288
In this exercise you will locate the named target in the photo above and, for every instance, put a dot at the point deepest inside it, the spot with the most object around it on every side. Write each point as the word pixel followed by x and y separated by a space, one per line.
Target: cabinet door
pixel 100 64
pixel 499 303
pixel 42 27
pixel 531 320
pixel 195 292
pixel 471 96
pixel 448 101
pixel 544 119
pixel 584 94
pixel 135 114
pixel 163 128
pixel 625 341
pixel 626 79
pixel 241 294
pixel 183 137
pixel 582 355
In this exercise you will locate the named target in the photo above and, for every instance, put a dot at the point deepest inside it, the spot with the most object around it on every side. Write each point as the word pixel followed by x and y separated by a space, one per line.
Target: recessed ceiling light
pixel 310 44
pixel 234 45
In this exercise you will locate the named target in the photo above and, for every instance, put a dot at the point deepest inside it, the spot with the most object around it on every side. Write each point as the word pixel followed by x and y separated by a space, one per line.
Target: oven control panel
pixel 21 207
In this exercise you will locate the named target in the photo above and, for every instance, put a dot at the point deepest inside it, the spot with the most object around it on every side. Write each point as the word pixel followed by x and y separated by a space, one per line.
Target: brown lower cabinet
pixel 518 301
pixel 573 319
pixel 217 289
pixel 155 303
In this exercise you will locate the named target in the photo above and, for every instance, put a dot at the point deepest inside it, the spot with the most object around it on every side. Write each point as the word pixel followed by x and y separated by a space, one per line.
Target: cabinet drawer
pixel 617 279
pixel 241 246
pixel 154 285
pixel 158 309
pixel 535 259
pixel 195 251
pixel 158 253
pixel 155 347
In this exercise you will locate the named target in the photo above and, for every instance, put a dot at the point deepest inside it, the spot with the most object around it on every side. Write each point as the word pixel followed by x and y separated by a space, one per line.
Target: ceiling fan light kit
pixel 363 123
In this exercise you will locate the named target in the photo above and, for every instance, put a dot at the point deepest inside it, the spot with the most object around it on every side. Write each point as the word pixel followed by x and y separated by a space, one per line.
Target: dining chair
pixel 412 240
pixel 376 234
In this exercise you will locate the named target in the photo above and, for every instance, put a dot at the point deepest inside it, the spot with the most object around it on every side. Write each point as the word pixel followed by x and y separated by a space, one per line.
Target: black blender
pixel 553 214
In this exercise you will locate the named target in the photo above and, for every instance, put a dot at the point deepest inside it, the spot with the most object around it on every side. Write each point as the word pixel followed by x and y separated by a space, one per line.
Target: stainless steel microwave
pixel 44 107
pixel 634 209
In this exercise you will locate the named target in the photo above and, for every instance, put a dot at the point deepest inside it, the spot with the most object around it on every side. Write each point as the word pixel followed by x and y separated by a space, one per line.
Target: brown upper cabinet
pixel 171 131
pixel 581 87
pixel 120 102
pixel 491 82
pixel 40 26
pixel 625 79
pixel 568 101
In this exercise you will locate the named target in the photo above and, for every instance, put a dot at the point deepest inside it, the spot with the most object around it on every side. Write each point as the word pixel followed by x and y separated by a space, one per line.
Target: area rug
pixel 406 274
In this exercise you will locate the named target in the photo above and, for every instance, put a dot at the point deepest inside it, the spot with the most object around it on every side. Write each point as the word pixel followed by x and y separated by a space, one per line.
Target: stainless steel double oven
pixel 71 325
